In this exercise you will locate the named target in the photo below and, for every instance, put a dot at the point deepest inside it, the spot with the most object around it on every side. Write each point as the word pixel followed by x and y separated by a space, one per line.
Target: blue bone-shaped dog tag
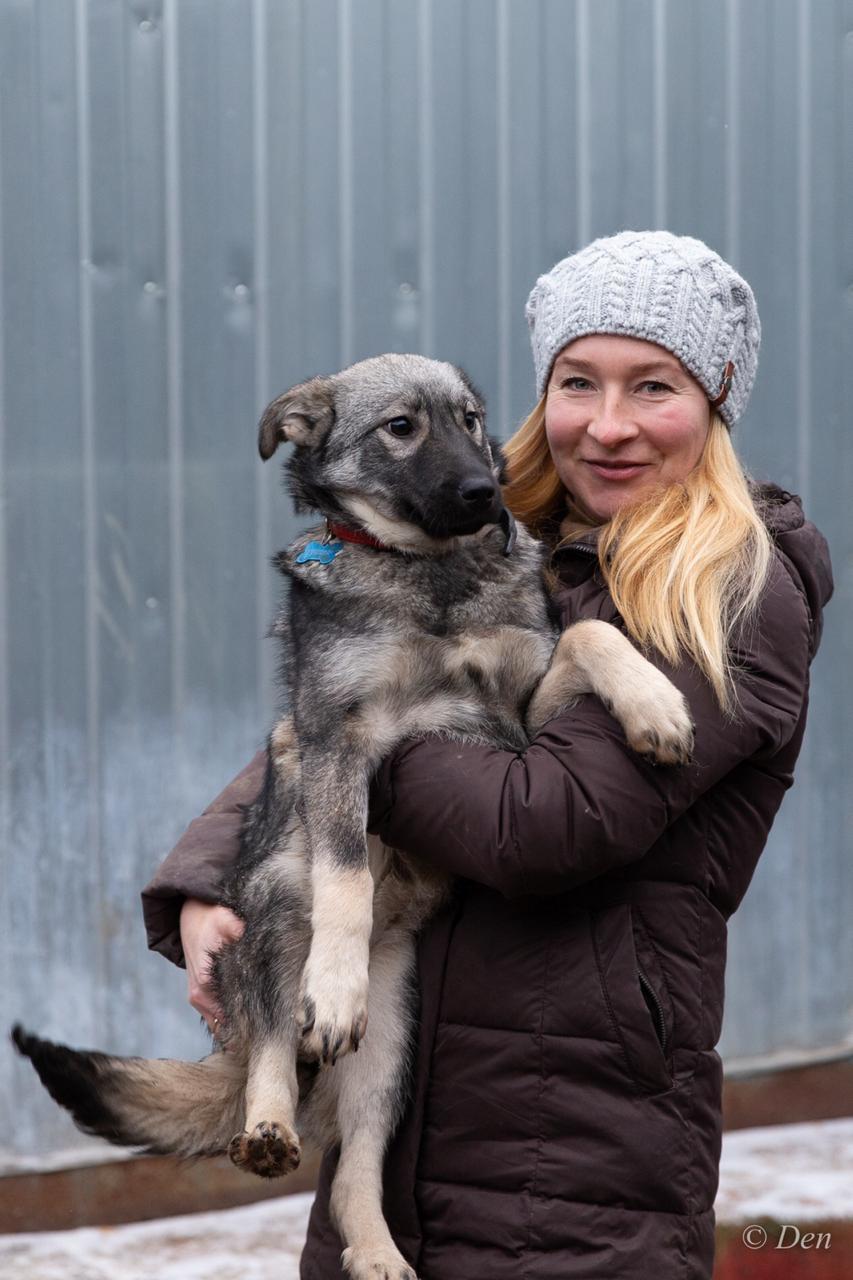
pixel 323 552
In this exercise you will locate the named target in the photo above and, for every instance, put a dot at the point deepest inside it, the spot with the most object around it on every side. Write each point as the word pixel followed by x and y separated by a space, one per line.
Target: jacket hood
pixel 802 546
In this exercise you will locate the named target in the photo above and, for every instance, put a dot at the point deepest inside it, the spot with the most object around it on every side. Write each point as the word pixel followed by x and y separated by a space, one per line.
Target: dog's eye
pixel 400 427
pixel 471 420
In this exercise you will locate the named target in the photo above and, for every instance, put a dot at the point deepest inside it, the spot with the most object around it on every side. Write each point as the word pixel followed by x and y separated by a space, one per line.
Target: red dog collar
pixel 355 535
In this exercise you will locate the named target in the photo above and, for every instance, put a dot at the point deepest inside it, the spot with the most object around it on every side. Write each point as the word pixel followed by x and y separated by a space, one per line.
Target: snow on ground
pixel 256 1242
pixel 793 1173
pixel 790 1172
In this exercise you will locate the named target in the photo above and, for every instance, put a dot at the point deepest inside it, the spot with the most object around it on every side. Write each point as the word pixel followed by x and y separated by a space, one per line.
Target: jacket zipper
pixel 580 546
pixel 658 1014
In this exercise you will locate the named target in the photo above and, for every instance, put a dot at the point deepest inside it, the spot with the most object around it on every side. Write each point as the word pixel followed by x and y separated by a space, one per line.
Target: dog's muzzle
pixel 506 522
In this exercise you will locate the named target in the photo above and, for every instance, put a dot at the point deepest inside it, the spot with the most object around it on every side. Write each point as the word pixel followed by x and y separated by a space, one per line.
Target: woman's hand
pixel 205 928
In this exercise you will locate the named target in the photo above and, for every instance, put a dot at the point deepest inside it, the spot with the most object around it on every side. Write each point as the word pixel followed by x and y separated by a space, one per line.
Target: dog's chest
pixel 446 606
pixel 467 633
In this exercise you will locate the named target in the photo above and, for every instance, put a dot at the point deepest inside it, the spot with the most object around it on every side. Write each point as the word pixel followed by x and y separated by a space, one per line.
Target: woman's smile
pixel 615 471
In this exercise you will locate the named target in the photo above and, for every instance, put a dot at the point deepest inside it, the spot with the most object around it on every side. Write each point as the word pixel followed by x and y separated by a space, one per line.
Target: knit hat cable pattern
pixel 668 289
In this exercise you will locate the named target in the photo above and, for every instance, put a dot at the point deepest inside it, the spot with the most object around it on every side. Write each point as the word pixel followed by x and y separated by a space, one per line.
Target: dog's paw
pixel 332 1018
pixel 656 718
pixel 376 1264
pixel 270 1150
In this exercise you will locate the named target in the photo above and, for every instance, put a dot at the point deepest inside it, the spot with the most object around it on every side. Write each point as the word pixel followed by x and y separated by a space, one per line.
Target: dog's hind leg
pixel 258 978
pixel 269 1145
pixel 371 1096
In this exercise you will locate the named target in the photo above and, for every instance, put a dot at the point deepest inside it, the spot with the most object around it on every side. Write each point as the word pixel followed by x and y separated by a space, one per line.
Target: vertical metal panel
pixel 204 201
pixel 46 507
pixel 460 99
pixel 790 931
pixel 826 336
pixel 764 104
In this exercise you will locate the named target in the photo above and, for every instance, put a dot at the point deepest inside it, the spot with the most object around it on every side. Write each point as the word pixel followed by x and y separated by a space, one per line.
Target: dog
pixel 419 608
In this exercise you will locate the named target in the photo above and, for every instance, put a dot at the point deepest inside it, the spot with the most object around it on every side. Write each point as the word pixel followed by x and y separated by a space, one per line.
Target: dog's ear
pixel 499 463
pixel 303 415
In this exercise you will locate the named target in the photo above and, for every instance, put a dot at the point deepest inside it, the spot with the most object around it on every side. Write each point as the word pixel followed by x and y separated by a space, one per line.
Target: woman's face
pixel 622 417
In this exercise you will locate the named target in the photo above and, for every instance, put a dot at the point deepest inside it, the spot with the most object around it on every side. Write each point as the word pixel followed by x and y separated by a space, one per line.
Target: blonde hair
pixel 685 566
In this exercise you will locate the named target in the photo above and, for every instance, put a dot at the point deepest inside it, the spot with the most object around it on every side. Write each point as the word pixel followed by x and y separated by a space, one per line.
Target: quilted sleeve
pixel 207 849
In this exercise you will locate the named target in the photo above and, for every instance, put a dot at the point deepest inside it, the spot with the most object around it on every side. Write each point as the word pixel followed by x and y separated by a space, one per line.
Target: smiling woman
pixel 625 441
pixel 645 347
pixel 622 417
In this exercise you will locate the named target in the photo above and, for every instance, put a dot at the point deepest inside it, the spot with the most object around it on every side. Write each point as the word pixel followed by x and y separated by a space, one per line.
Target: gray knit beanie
pixel 672 290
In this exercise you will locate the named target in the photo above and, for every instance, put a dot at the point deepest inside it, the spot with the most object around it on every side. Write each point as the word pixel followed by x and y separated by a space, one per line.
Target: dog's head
pixel 396 445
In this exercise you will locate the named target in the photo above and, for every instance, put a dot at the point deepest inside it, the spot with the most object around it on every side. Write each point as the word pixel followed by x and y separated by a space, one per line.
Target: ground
pixel 257 1242
pixel 799 1174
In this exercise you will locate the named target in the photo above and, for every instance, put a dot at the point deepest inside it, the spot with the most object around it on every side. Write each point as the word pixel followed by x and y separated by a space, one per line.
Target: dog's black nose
pixel 477 492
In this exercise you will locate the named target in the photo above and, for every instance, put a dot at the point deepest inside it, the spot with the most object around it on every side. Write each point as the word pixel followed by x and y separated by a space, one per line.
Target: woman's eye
pixel 471 421
pixel 576 383
pixel 656 386
pixel 400 427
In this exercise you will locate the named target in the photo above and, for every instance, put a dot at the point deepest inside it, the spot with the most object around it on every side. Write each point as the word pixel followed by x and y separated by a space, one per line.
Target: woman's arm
pixel 207 849
pixel 579 802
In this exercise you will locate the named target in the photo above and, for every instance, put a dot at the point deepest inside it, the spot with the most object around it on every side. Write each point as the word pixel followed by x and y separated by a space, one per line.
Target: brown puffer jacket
pixel 565 1118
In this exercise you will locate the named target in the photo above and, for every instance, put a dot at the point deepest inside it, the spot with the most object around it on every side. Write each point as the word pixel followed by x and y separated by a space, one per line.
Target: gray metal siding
pixel 203 201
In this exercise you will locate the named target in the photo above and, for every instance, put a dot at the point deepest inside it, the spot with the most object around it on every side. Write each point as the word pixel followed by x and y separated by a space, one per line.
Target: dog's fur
pixel 447 631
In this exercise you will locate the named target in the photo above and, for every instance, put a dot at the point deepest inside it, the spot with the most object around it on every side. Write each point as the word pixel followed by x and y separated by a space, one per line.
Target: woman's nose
pixel 612 424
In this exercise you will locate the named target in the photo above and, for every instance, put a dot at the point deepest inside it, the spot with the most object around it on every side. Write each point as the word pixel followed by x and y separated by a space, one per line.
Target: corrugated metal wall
pixel 202 201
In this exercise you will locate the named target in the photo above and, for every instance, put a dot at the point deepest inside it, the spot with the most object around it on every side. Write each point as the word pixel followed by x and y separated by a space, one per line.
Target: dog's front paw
pixel 332 1015
pixel 376 1264
pixel 656 718
pixel 270 1150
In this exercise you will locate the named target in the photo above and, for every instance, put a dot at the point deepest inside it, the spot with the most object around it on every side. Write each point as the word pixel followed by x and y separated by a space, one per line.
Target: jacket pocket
pixel 636 995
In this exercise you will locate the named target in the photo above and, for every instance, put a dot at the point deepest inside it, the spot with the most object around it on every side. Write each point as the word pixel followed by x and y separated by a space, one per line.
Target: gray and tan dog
pixel 420 610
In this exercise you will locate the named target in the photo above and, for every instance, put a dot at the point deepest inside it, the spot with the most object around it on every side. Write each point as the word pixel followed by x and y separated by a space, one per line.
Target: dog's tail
pixel 164 1106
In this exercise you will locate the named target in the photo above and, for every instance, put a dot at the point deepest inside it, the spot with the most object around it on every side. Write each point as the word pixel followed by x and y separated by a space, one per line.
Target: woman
pixel 566 1104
